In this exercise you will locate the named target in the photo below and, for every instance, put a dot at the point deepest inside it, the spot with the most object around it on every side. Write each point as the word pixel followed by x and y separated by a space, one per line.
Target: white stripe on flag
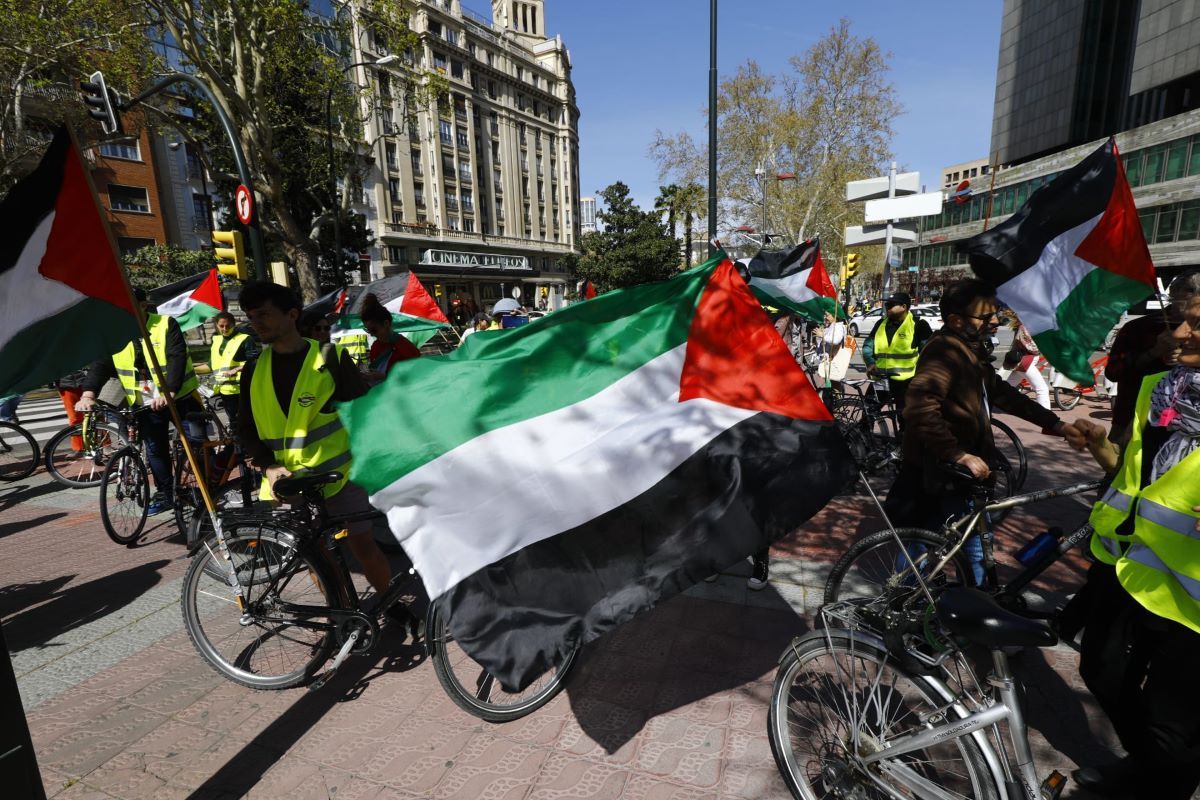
pixel 794 286
pixel 1036 293
pixel 26 296
pixel 179 305
pixel 557 471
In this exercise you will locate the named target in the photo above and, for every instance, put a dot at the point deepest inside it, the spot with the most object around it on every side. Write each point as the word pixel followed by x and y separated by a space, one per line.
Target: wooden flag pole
pixel 201 482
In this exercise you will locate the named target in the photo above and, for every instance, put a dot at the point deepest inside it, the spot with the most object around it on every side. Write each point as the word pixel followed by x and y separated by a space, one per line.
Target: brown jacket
pixel 943 409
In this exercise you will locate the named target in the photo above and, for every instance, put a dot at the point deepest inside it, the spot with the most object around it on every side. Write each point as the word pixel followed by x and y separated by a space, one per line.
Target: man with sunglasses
pixel 892 347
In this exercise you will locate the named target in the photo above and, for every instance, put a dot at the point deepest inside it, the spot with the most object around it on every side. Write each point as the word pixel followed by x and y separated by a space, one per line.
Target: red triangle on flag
pixel 735 356
pixel 818 278
pixel 1117 243
pixel 209 292
pixel 418 303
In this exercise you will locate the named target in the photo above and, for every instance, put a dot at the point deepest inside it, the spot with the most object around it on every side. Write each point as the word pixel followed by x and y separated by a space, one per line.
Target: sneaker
pixel 158 504
pixel 407 623
pixel 758 578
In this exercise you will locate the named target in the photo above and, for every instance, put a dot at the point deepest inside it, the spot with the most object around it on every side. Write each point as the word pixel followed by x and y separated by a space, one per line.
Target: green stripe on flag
pixel 812 310
pixel 1084 318
pixel 492 381
pixel 194 317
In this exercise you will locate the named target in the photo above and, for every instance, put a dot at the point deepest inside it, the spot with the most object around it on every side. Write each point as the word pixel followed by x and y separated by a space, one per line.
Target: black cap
pixel 139 294
pixel 898 299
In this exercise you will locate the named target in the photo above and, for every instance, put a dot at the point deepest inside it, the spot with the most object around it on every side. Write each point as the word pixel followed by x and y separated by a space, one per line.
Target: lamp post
pixel 761 174
pixel 333 193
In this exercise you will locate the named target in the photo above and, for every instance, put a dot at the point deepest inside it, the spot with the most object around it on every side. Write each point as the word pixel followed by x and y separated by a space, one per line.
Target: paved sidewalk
pixel 671 705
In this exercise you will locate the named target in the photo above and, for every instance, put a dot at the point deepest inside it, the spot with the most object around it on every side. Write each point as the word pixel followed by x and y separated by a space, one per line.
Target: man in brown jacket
pixel 948 412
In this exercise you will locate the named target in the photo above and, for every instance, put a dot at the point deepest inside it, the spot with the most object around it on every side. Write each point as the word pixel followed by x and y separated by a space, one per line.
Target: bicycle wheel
pixel 19 453
pixel 267 646
pixel 124 497
pixel 876 564
pixel 1066 399
pixel 473 689
pixel 80 469
pixel 838 697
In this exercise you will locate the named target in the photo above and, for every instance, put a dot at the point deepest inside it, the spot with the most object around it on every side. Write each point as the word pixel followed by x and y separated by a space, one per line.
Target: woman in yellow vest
pixel 229 351
pixel 1140 654
pixel 132 366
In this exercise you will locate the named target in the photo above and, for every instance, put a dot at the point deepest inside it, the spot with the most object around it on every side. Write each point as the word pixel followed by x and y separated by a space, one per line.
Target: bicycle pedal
pixel 1053 786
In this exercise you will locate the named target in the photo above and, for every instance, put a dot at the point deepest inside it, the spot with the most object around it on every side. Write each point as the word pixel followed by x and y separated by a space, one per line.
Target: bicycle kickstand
pixel 332 669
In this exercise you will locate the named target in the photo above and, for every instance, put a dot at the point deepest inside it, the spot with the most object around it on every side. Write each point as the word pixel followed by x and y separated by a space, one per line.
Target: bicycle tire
pixel 19 452
pixel 1018 454
pixel 1066 399
pixel 482 703
pixel 124 497
pixel 831 767
pixel 210 608
pixel 82 469
pixel 869 554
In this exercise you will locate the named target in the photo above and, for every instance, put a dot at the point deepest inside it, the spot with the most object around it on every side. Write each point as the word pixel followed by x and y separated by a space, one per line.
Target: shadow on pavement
pixel 686 651
pixel 70 608
pixel 14 495
pixel 16 527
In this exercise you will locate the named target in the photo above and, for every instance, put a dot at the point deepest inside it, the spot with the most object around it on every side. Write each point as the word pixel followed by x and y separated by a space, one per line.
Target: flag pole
pixel 201 482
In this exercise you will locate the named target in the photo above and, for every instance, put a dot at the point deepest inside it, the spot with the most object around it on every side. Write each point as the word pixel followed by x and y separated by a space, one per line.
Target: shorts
pixel 352 499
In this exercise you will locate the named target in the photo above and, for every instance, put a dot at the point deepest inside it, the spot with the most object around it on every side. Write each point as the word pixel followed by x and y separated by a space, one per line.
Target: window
pixel 467 200
pixel 1176 160
pixel 126 149
pixel 452 222
pixel 390 149
pixel 492 89
pixel 447 131
pixel 128 198
pixel 389 122
pixel 469 225
pixel 1189 221
pixel 539 165
pixel 462 139
pixel 201 211
pixel 456 68
pixel 447 167
pixel 385 85
pixel 452 36
pixel 395 254
pixel 1168 217
pixel 439 61
pixel 1155 158
pixel 1133 168
pixel 520 102
pixel 435 28
pixel 451 199
pixel 520 73
pixel 464 171
pixel 1146 217
pixel 419 196
pixel 397 216
pixel 394 189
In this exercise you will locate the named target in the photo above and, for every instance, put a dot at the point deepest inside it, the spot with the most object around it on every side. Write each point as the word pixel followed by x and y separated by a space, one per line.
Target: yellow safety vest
pixel 897 358
pixel 1159 562
pixel 307 437
pixel 126 360
pixel 357 345
pixel 221 361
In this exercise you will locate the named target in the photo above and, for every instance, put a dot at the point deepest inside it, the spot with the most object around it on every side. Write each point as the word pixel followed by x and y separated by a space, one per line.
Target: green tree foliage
pixel 159 264
pixel 271 65
pixel 46 48
pixel 631 247
pixel 682 204
pixel 827 119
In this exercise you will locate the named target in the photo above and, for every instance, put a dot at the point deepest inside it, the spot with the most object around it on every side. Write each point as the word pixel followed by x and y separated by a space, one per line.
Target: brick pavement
pixel 671 705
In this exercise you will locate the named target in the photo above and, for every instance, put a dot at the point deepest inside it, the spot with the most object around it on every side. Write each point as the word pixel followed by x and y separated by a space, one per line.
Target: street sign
pixel 913 205
pixel 893 256
pixel 914 269
pixel 877 234
pixel 243 203
pixel 875 188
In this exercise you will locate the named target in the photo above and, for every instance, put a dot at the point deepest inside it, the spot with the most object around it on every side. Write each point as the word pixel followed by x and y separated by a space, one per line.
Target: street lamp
pixel 333 194
pixel 761 174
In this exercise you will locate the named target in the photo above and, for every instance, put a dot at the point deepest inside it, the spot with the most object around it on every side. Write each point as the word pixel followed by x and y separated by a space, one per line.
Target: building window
pixel 520 102
pixel 202 211
pixel 456 68
pixel 464 171
pixel 397 216
pixel 469 225
pixel 447 167
pixel 416 163
pixel 439 61
pixel 385 85
pixel 435 28
pixel 126 149
pixel 492 89
pixel 419 196
pixel 468 200
pixel 451 199
pixel 447 132
pixel 395 254
pixel 462 139
pixel 452 223
pixel 391 156
pixel 452 36
pixel 128 198
pixel 389 122
pixel 394 189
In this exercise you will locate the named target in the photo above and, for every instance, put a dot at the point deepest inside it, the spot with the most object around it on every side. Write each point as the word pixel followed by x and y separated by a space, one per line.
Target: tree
pixel 270 65
pixel 828 120
pixel 632 246
pixel 159 264
pixel 46 48
pixel 691 205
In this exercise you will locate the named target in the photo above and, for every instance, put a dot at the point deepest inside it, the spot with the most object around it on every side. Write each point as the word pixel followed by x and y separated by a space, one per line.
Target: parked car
pixel 861 324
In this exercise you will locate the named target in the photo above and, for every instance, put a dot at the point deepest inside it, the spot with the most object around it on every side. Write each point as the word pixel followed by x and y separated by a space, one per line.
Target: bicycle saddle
pixel 975 616
pixel 302 482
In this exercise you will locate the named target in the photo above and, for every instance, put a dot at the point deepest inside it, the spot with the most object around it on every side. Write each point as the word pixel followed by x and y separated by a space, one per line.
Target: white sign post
pixel 888 200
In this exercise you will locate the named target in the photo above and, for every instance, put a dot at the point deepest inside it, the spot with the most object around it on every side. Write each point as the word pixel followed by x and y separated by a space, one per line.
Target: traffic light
pixel 102 102
pixel 851 265
pixel 231 256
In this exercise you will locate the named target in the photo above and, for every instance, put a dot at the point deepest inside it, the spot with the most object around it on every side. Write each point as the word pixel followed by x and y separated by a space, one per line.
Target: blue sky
pixel 643 65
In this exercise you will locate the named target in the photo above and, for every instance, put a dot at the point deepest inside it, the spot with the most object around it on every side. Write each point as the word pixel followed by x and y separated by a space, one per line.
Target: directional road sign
pixel 913 205
pixel 877 234
pixel 875 188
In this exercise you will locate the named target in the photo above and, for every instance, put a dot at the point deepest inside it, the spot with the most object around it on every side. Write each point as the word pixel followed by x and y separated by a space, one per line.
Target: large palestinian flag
pixel 191 300
pixel 794 279
pixel 404 296
pixel 63 297
pixel 551 483
pixel 1070 261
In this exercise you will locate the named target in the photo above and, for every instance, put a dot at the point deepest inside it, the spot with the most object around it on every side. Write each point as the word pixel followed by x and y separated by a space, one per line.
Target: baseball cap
pixel 898 299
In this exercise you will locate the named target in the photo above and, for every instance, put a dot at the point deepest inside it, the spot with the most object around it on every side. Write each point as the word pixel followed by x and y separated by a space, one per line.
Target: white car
pixel 861 324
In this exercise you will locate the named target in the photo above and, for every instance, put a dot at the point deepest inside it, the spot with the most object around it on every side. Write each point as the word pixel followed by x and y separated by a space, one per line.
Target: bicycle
pixel 77 455
pixel 1068 393
pixel 125 485
pixel 267 608
pixel 881 562
pixel 19 452
pixel 890 706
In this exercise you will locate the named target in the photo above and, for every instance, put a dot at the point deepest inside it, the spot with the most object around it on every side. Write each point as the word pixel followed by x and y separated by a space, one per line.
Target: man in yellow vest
pixel 230 350
pixel 287 420
pixel 1141 605
pixel 892 347
pixel 132 366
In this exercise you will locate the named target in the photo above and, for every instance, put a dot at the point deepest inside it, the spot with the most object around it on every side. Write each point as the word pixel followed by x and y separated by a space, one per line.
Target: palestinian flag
pixel 794 279
pixel 331 303
pixel 551 483
pixel 587 289
pixel 1070 261
pixel 63 296
pixel 411 305
pixel 191 300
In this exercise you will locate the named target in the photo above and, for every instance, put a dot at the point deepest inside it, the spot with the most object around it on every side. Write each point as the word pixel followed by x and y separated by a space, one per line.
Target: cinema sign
pixel 454 258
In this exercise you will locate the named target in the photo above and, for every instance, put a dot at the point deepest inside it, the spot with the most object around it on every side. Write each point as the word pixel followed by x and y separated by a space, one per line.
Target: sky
pixel 642 65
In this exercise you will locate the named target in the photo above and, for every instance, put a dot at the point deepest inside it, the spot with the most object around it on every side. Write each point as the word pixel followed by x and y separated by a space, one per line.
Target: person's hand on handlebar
pixel 86 402
pixel 276 472
pixel 978 467
pixel 158 404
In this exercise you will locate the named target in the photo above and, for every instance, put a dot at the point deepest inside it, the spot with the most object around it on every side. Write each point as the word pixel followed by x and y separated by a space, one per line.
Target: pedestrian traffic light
pixel 231 256
pixel 102 103
pixel 851 265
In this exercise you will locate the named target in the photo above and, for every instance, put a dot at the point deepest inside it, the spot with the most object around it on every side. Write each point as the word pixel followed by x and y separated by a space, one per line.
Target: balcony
pixel 464 177
pixel 432 233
